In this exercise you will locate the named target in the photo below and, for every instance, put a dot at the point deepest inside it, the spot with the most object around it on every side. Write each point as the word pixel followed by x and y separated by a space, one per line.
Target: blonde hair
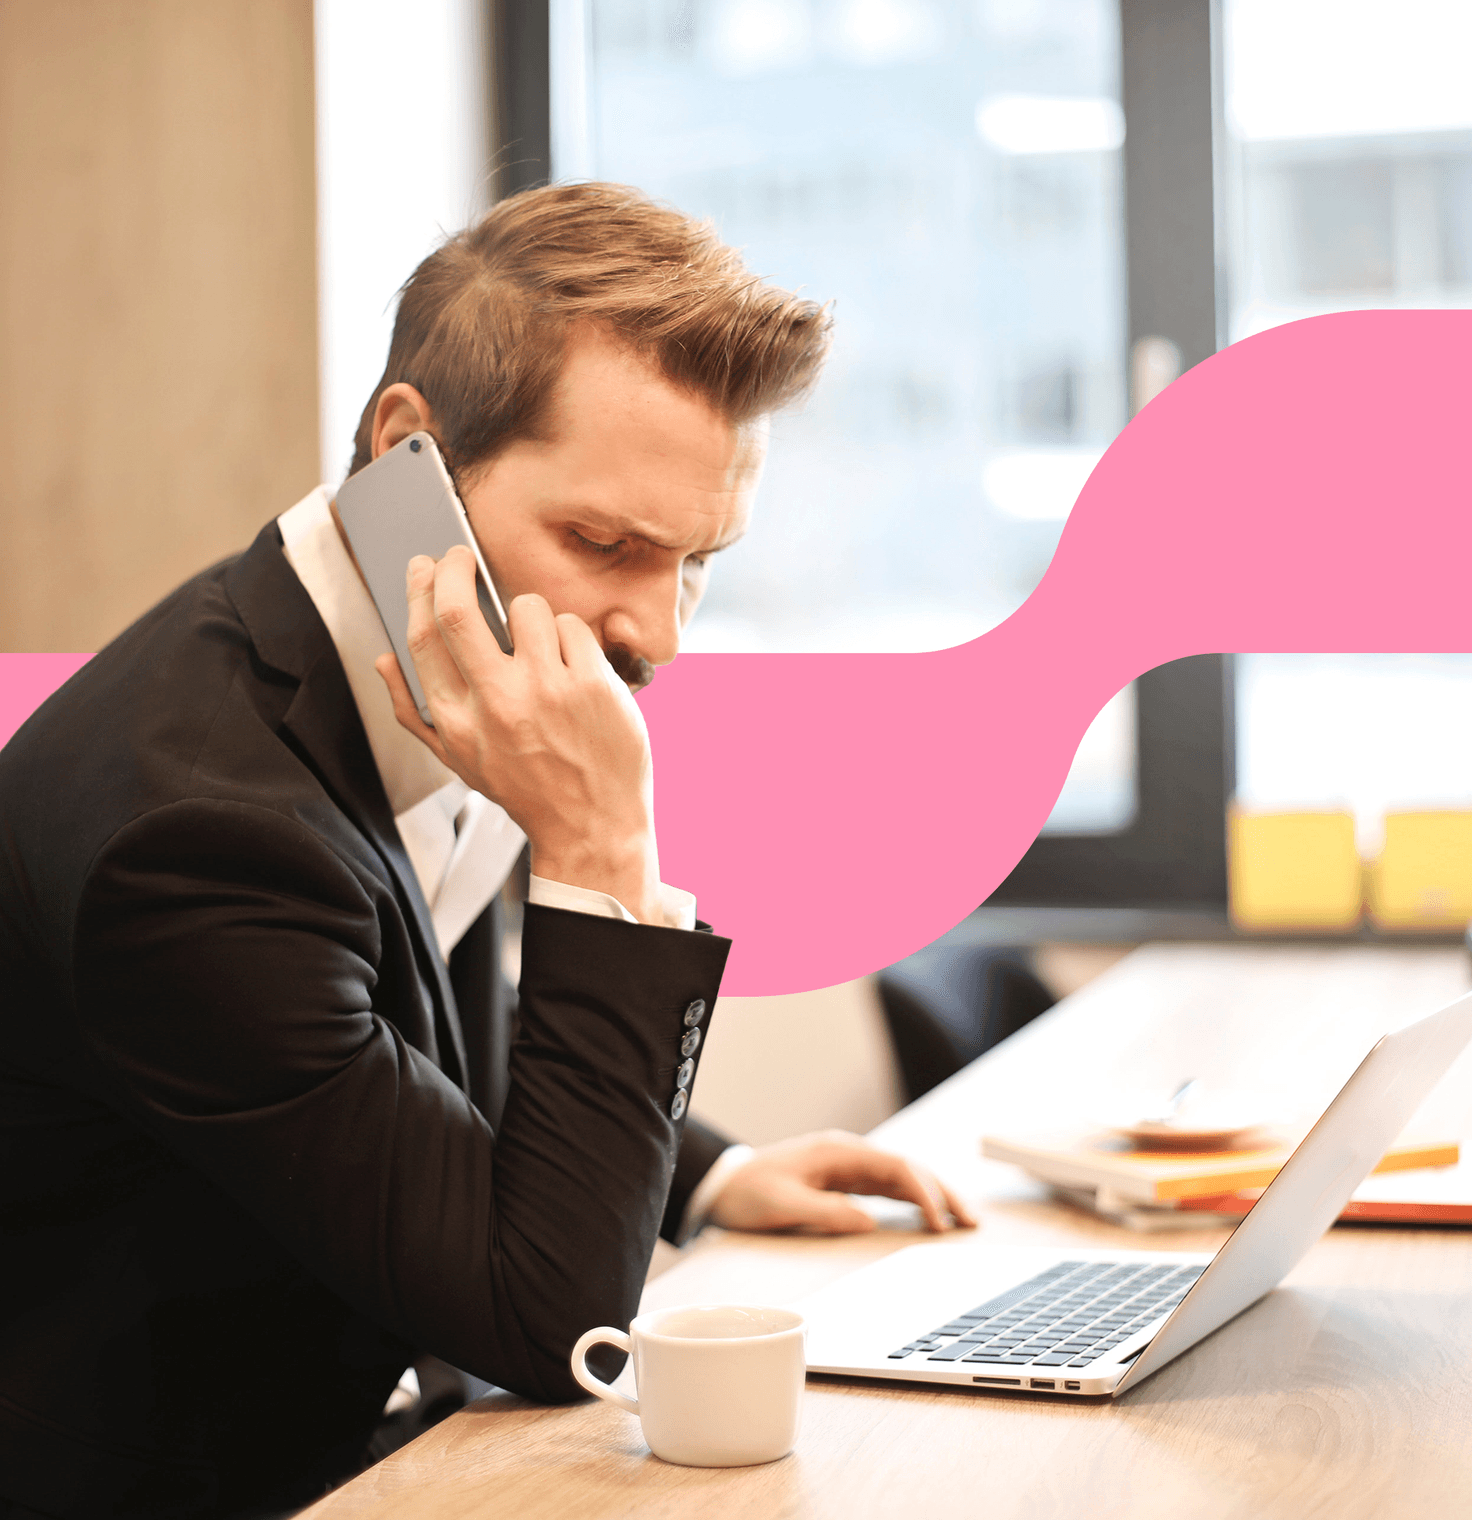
pixel 483 323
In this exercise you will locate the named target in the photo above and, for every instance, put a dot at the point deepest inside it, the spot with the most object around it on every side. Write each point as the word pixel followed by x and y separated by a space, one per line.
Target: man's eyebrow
pixel 626 527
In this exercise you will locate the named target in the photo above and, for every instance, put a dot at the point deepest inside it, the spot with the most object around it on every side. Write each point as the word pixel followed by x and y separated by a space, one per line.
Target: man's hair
pixel 483 323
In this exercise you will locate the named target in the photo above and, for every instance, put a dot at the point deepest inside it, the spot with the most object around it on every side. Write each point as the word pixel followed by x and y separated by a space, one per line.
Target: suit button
pixel 677 1108
pixel 686 1071
pixel 691 1043
pixel 694 1013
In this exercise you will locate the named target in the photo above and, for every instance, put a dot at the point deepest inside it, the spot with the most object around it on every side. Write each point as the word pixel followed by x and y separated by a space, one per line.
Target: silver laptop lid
pixel 1306 1196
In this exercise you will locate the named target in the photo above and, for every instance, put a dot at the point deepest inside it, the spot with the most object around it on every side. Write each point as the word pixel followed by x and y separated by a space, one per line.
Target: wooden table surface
pixel 1347 1392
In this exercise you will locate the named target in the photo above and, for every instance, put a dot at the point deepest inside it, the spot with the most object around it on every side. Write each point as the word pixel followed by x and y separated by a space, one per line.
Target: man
pixel 266 1132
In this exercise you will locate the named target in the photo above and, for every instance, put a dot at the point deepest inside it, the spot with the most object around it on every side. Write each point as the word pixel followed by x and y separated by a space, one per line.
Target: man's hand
pixel 801 1184
pixel 549 732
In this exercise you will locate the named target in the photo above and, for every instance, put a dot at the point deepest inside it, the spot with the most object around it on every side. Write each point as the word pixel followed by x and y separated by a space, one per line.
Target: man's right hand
pixel 550 732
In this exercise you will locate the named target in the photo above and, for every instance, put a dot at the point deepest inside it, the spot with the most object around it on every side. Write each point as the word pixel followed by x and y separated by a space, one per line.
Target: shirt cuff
pixel 708 1189
pixel 678 907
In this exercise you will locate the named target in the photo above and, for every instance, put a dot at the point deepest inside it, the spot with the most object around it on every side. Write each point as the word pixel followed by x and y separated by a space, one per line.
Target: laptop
pixel 1094 1322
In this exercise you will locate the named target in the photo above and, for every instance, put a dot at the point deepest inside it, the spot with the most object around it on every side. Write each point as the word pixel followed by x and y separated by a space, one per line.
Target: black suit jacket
pixel 242 1180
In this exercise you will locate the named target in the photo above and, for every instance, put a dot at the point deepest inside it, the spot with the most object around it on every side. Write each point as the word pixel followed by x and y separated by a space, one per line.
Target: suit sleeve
pixel 227 977
pixel 700 1147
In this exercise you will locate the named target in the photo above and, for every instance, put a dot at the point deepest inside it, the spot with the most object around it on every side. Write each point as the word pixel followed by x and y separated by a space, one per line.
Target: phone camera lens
pixel 415 445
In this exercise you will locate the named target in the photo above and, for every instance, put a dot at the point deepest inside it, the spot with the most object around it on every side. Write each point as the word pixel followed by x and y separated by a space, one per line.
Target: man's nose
pixel 647 626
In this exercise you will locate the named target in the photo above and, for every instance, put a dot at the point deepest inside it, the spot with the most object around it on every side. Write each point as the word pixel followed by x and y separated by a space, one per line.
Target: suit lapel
pixel 288 634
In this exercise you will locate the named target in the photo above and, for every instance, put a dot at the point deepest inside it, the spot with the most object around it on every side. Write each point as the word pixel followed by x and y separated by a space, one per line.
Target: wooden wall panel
pixel 158 319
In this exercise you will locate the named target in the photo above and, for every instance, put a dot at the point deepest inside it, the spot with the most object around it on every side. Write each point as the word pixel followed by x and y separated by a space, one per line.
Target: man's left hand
pixel 802 1184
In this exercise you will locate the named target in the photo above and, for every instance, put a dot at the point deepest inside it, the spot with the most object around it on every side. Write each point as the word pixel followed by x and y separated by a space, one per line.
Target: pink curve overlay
pixel 1306 489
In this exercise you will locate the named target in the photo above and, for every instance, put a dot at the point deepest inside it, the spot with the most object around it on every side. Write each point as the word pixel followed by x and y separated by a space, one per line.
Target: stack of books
pixel 1173 1190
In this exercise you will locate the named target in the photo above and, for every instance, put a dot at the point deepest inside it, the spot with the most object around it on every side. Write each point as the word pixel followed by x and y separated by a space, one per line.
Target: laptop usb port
pixel 1011 1382
pixel 1043 1383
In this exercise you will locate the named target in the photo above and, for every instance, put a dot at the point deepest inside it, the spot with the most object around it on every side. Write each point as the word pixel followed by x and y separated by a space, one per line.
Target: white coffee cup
pixel 719 1385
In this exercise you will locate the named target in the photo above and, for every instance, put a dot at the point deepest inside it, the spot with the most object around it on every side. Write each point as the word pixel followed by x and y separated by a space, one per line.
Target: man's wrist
pixel 703 1200
pixel 677 906
pixel 630 874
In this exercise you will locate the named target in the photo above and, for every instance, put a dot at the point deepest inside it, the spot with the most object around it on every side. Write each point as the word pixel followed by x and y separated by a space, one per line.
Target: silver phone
pixel 404 504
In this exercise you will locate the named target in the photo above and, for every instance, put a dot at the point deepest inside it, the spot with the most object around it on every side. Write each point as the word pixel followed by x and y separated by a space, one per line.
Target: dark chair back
pixel 948 1004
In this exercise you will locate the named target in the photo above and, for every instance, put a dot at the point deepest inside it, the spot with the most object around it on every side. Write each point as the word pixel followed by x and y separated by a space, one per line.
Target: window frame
pixel 1175 849
pixel 519 70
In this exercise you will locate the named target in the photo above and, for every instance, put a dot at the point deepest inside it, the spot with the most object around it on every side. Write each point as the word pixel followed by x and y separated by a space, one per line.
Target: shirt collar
pixel 315 550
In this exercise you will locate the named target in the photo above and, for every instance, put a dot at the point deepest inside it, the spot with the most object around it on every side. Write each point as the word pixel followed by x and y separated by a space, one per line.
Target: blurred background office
pixel 1030 215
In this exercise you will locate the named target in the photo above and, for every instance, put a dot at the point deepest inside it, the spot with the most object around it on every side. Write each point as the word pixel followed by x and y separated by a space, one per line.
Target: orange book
pixel 1443 1196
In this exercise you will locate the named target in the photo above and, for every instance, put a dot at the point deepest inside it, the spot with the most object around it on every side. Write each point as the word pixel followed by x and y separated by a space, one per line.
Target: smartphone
pixel 404 504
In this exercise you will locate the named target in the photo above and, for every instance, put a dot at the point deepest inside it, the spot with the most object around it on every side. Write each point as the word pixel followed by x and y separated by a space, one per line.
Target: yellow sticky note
pixel 1422 878
pixel 1293 870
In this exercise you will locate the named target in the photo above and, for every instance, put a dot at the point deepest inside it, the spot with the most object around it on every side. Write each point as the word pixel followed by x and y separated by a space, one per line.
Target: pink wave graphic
pixel 1303 490
pixel 26 680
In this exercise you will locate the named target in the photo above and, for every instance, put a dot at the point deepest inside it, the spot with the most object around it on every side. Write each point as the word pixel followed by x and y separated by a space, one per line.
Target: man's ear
pixel 401 410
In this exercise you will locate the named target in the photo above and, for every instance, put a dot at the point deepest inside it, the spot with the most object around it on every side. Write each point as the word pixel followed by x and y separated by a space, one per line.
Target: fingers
pixel 577 644
pixel 830 1214
pixel 803 1184
pixel 438 673
pixel 533 629
pixel 467 639
pixel 583 654
pixel 858 1168
pixel 387 666
pixel 908 1183
pixel 448 637
pixel 959 1212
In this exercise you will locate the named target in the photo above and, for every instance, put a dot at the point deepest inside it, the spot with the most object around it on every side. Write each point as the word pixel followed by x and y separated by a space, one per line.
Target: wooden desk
pixel 1345 1393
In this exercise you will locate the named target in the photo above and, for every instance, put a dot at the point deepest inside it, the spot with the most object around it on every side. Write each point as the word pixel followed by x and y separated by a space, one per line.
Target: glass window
pixel 1100 795
pixel 947 172
pixel 1348 157
pixel 1370 732
pixel 386 199
pixel 1348 160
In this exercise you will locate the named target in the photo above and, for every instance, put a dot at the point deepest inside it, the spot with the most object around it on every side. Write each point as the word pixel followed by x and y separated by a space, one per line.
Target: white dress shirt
pixel 461 844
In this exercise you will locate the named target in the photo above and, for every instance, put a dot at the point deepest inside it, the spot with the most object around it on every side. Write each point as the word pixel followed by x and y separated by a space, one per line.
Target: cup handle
pixel 604 1335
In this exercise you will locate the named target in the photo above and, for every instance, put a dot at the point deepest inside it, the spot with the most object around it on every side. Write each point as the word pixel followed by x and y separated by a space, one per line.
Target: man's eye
pixel 595 546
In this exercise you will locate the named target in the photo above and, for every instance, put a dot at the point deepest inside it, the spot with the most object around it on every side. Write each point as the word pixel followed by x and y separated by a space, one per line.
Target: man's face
pixel 616 516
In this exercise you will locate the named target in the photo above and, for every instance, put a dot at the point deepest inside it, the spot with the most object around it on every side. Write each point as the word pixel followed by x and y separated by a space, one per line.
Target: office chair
pixel 948 1004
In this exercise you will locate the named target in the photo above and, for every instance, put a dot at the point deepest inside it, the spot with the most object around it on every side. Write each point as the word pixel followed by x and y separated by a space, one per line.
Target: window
pixel 948 171
pixel 951 173
pixel 955 173
pixel 1347 159
pixel 946 168
pixel 1368 732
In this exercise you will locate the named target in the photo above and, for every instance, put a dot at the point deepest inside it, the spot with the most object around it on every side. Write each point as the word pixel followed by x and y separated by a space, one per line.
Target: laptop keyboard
pixel 1068 1316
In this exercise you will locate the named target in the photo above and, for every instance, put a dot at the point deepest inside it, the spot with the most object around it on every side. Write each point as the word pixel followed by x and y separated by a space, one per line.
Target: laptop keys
pixel 951 1353
pixel 1074 1309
